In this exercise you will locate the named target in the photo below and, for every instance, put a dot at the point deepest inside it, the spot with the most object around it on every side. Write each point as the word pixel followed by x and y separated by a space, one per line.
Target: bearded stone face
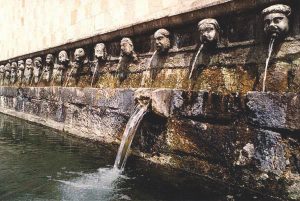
pixel 14 67
pixel 100 51
pixel 79 54
pixel 208 33
pixel 7 69
pixel 1 68
pixel 276 24
pixel 21 65
pixel 38 62
pixel 162 40
pixel 126 47
pixel 49 59
pixel 63 57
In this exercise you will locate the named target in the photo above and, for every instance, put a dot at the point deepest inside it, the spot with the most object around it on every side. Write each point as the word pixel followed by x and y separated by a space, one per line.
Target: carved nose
pixel 272 24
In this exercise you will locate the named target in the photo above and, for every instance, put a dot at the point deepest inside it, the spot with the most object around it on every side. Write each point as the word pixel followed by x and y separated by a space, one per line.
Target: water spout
pixel 149 66
pixel 154 53
pixel 194 62
pixel 267 61
pixel 68 78
pixel 23 105
pixel 130 130
pixel 94 75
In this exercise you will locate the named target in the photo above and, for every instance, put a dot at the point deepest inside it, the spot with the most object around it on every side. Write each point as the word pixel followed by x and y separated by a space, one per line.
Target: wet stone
pixel 274 110
pixel 270 152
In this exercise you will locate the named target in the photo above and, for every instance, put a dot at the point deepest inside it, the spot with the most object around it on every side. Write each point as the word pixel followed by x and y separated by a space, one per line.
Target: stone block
pixel 161 102
pixel 277 78
pixel 213 142
pixel 187 104
pixel 274 110
pixel 201 104
pixel 270 152
pixel 295 79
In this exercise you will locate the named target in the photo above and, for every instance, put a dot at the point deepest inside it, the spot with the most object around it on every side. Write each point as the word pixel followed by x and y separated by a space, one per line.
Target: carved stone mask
pixel 49 59
pixel 38 62
pixel 7 67
pixel 126 46
pixel 21 65
pixel 276 22
pixel 100 51
pixel 162 40
pixel 79 54
pixel 13 67
pixel 28 63
pixel 1 68
pixel 209 31
pixel 63 57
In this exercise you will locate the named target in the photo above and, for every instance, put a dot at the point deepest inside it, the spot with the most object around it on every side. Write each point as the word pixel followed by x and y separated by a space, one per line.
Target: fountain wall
pixel 218 125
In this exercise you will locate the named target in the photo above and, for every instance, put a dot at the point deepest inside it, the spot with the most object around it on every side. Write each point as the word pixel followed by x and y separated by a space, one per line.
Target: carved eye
pixel 160 38
pixel 278 19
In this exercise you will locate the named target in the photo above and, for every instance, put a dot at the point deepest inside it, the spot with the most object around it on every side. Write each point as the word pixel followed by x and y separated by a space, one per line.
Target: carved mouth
pixel 274 30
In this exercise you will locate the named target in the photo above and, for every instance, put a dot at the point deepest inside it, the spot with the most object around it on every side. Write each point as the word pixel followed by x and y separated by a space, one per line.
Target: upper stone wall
pixel 28 26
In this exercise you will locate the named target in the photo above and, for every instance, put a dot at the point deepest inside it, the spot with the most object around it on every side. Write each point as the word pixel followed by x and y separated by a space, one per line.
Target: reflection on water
pixel 37 163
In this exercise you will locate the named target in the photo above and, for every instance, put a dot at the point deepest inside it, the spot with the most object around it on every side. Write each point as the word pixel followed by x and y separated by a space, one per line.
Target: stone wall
pixel 246 141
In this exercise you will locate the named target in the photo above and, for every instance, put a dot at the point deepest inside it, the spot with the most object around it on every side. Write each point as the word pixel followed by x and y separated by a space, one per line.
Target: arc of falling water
pixel 149 67
pixel 128 135
pixel 194 63
pixel 94 75
pixel 68 78
pixel 267 61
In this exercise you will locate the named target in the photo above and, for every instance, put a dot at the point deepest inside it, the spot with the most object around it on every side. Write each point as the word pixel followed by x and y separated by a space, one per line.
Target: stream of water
pixel 270 49
pixel 128 135
pixel 194 62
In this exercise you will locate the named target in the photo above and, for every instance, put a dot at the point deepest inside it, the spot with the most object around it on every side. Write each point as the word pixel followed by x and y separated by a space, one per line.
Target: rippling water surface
pixel 37 163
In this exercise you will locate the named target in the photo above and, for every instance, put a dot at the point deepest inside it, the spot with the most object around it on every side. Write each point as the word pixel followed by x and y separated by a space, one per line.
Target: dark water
pixel 37 163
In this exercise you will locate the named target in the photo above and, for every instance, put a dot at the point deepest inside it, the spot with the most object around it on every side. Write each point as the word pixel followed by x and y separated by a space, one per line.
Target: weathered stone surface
pixel 295 79
pixel 277 77
pixel 189 105
pixel 161 101
pixel 274 110
pixel 270 152
pixel 201 104
pixel 197 131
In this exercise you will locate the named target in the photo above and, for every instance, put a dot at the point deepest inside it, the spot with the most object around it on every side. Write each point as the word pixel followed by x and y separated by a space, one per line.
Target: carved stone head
pixel 13 72
pixel 14 67
pixel 49 59
pixel 276 22
pixel 7 68
pixel 1 68
pixel 162 40
pixel 38 62
pixel 126 47
pixel 28 64
pixel 21 66
pixel 79 54
pixel 100 51
pixel 63 57
pixel 209 30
